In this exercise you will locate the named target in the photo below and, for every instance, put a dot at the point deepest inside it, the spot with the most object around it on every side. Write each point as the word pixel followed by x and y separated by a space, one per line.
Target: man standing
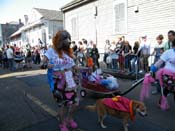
pixel 171 37
pixel 145 52
pixel 9 53
pixel 106 50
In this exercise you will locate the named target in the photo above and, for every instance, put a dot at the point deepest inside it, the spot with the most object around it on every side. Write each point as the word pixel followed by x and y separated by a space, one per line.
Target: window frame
pixel 117 2
pixel 76 27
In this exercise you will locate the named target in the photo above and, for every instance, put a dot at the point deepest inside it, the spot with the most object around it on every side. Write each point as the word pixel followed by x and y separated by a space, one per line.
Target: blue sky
pixel 12 10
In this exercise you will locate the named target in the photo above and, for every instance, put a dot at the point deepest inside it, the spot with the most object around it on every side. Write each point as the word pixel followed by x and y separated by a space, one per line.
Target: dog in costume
pixel 118 106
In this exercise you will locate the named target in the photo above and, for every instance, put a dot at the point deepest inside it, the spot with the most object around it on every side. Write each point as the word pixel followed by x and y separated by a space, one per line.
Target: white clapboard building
pixel 40 26
pixel 99 20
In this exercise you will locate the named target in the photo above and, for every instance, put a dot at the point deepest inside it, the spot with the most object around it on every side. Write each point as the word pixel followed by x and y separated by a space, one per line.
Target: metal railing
pixel 129 65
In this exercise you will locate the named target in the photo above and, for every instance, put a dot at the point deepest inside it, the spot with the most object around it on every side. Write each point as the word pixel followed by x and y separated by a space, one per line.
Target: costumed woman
pixel 165 75
pixel 60 64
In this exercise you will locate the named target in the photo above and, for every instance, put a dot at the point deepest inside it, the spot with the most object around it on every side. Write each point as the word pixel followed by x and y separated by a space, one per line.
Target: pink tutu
pixel 148 79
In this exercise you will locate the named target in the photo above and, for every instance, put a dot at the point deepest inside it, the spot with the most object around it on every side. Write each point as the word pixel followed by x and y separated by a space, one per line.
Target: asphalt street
pixel 26 104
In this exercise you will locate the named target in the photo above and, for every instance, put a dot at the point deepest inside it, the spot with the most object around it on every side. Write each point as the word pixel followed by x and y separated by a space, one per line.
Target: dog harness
pixel 120 103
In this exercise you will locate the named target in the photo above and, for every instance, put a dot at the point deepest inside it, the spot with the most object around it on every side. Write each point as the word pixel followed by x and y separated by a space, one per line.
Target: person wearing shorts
pixel 60 63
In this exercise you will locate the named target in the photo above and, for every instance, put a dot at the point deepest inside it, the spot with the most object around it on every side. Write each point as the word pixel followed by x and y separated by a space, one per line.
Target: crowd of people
pixel 14 57
pixel 86 53
pixel 118 55
pixel 63 57
pixel 162 73
pixel 121 56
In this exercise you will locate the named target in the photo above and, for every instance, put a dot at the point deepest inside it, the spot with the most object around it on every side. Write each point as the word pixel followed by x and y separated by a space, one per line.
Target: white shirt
pixel 107 48
pixel 157 45
pixel 158 48
pixel 85 48
pixel 9 52
pixel 81 47
pixel 42 52
pixel 169 57
pixel 59 63
pixel 112 47
pixel 145 47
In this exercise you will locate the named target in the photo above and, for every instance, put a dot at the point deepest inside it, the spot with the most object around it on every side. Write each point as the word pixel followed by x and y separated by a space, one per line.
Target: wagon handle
pixel 133 86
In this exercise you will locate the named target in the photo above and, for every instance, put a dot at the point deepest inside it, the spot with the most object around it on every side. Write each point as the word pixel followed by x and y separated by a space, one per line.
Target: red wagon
pixel 86 86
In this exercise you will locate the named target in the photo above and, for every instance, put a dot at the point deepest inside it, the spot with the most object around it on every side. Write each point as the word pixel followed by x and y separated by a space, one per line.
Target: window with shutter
pixel 120 16
pixel 74 27
pixel 43 36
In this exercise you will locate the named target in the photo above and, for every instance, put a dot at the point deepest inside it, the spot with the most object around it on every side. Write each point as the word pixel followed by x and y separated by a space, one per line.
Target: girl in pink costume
pixel 165 75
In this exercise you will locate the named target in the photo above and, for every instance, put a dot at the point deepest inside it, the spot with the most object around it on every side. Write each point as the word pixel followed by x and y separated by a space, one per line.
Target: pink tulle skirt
pixel 146 86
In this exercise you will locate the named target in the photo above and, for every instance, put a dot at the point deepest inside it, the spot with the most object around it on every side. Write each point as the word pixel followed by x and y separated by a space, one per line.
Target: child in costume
pixel 165 75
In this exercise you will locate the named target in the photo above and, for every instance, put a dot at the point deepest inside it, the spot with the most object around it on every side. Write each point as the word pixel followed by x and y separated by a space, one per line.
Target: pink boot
pixel 72 124
pixel 63 127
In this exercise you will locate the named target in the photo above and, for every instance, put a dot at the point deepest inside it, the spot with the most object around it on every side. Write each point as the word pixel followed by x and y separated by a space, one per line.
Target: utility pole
pixel 95 21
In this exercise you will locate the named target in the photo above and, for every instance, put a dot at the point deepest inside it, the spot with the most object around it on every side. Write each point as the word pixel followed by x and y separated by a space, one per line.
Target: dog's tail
pixel 91 108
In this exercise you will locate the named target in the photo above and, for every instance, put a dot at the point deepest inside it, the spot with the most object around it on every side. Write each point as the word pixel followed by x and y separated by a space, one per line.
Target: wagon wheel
pixel 83 93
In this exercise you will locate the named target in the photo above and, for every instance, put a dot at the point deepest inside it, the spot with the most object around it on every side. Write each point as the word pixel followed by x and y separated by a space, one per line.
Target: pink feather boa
pixel 164 103
pixel 148 79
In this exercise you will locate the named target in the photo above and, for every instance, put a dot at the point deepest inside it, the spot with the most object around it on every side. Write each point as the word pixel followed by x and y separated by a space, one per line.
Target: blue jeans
pixel 114 64
pixel 50 79
pixel 134 64
pixel 105 56
pixel 11 64
pixel 127 60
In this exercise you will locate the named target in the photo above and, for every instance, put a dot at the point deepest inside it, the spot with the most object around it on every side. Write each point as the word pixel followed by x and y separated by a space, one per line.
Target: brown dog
pixel 103 110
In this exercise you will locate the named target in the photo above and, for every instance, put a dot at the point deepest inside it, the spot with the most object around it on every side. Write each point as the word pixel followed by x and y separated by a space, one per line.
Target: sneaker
pixel 72 124
pixel 169 94
pixel 141 72
pixel 63 127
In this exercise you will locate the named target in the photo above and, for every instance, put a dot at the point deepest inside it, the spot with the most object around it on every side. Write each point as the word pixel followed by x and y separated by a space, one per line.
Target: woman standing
pixel 119 48
pixel 81 54
pixel 95 56
pixel 126 54
pixel 135 57
pixel 159 48
pixel 59 59
pixel 114 55
pixel 106 50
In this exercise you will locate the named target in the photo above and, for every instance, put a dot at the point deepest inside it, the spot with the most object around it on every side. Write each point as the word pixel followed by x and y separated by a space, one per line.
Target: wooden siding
pixel 154 17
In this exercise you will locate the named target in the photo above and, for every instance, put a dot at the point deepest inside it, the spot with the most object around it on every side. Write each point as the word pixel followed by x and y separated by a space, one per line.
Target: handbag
pixel 109 59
